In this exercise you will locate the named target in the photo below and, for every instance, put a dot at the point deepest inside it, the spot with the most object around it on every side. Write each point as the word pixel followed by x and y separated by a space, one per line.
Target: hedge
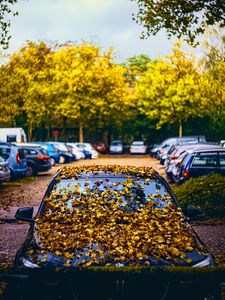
pixel 205 192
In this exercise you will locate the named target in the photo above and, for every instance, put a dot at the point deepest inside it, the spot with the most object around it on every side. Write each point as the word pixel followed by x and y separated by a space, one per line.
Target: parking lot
pixel 29 192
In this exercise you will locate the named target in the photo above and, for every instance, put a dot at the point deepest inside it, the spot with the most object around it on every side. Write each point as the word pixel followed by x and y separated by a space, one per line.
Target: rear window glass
pixel 61 147
pixel 138 143
pixel 5 152
pixel 116 143
pixel 28 151
pixel 130 193
pixel 205 160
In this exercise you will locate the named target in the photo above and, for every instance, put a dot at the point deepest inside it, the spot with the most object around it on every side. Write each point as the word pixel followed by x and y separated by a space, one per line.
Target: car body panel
pixel 16 160
pixel 138 147
pixel 116 147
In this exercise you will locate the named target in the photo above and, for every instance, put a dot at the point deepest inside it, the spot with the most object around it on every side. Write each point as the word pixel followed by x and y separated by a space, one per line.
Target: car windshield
pixel 130 193
pixel 116 143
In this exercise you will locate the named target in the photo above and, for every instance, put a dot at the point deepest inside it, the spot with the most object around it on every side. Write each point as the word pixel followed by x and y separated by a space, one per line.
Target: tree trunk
pixel 180 128
pixel 81 133
pixel 64 129
pixel 49 128
pixel 30 131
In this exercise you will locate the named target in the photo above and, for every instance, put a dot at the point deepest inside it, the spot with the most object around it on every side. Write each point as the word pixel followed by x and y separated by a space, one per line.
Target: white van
pixel 13 135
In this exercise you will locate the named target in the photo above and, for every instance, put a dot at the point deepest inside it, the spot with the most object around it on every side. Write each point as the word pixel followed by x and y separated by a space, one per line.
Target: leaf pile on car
pixel 103 223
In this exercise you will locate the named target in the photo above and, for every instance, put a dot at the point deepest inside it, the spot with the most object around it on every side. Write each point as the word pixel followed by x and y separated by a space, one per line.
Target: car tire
pixel 62 159
pixel 53 161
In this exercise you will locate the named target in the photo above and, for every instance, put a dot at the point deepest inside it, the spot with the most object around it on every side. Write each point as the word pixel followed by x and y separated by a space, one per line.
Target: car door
pixel 204 163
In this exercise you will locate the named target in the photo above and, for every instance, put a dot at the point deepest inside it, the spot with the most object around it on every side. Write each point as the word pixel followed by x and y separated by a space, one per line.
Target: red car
pixel 100 147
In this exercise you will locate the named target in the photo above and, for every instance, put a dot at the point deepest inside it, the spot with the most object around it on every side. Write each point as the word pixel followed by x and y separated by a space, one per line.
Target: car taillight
pixel 18 158
pixel 185 174
pixel 173 157
pixel 42 157
pixel 56 151
pixel 161 152
pixel 178 164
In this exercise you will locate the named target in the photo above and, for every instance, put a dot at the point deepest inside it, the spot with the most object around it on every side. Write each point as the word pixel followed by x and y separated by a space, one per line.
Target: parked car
pixel 53 152
pixel 100 147
pixel 16 160
pixel 174 156
pixel 139 197
pixel 87 148
pixel 4 170
pixel 177 141
pixel 146 216
pixel 65 153
pixel 37 158
pixel 199 162
pixel 116 147
pixel 78 152
pixel 138 147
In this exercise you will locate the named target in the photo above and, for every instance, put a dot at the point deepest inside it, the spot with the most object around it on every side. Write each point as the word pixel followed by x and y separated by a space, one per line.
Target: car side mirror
pixel 25 214
pixel 194 213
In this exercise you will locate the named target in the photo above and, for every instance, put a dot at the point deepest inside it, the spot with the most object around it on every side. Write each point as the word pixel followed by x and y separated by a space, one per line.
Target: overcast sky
pixel 106 22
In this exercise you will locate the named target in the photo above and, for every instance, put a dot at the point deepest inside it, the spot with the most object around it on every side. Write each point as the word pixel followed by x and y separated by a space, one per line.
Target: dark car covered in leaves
pixel 109 217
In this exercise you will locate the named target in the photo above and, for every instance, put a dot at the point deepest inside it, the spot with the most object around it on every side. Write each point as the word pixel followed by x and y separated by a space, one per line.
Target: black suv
pixel 37 159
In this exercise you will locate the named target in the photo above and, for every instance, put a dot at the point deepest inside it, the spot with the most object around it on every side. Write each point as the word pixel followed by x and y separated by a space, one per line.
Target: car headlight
pixel 28 264
pixel 205 262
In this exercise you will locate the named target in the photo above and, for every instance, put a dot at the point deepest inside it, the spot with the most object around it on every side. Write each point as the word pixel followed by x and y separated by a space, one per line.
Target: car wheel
pixel 53 162
pixel 62 159
pixel 30 171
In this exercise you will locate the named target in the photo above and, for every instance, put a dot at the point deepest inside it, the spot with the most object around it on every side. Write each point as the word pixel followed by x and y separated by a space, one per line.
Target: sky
pixel 107 23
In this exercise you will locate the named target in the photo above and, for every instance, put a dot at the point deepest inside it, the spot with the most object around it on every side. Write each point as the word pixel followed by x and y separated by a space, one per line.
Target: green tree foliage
pixel 181 18
pixel 5 11
pixel 136 66
pixel 169 91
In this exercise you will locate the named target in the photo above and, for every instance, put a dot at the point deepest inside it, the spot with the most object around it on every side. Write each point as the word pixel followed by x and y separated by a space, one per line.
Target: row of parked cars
pixel 188 157
pixel 24 159
pixel 118 147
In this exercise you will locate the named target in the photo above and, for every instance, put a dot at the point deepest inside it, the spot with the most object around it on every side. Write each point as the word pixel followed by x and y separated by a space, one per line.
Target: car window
pixel 138 143
pixel 222 159
pixel 61 147
pixel 116 143
pixel 1 159
pixel 29 151
pixel 137 191
pixel 205 160
pixel 5 152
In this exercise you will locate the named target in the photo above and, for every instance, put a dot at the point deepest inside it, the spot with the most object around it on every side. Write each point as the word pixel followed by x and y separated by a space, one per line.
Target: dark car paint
pixel 54 260
pixel 197 171
pixel 35 163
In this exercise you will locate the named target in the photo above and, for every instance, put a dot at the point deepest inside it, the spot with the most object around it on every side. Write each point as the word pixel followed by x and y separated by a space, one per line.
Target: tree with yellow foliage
pixel 169 91
pixel 91 87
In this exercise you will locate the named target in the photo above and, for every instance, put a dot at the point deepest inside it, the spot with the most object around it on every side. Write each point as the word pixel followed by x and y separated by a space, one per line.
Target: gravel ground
pixel 29 192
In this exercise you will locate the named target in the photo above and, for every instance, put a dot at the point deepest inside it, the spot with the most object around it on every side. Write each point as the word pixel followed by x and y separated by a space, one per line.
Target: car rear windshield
pixel 5 152
pixel 116 143
pixel 138 143
pixel 132 192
